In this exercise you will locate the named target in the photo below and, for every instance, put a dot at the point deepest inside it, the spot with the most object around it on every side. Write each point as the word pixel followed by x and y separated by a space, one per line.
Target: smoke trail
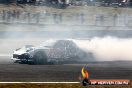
pixel 108 48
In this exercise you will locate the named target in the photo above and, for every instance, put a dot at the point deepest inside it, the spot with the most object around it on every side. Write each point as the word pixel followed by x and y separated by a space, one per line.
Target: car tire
pixel 23 62
pixel 40 58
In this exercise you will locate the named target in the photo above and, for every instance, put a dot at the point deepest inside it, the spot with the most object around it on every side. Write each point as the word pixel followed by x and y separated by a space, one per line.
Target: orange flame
pixel 84 73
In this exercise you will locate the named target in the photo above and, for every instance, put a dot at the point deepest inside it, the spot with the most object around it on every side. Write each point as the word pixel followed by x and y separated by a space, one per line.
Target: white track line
pixel 38 82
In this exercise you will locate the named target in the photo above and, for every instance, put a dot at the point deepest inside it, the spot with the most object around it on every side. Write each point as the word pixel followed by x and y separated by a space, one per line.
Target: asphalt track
pixel 10 72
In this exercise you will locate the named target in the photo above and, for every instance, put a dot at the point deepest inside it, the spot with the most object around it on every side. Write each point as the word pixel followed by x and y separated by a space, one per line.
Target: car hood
pixel 20 51
pixel 25 50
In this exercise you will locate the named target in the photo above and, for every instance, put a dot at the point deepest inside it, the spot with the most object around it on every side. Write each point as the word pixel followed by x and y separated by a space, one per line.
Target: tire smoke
pixel 108 48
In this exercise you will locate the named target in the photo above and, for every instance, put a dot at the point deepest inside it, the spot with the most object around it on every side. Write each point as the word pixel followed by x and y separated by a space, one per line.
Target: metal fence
pixel 17 16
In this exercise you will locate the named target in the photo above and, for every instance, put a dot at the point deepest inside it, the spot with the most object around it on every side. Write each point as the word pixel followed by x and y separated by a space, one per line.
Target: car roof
pixel 53 41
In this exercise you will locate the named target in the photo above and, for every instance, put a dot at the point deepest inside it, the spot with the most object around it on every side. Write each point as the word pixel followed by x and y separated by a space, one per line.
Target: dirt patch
pixel 58 86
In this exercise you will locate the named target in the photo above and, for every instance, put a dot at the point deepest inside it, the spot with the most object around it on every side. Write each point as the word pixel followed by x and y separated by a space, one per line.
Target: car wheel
pixel 40 58
pixel 23 62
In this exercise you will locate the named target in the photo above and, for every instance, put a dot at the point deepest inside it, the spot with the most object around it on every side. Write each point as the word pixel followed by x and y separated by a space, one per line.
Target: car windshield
pixel 26 46
pixel 48 43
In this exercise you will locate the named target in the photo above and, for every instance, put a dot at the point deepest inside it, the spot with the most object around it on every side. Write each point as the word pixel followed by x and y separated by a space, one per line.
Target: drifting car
pixel 51 52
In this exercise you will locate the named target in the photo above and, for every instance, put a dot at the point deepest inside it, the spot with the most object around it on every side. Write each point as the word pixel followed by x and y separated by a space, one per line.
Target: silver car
pixel 51 52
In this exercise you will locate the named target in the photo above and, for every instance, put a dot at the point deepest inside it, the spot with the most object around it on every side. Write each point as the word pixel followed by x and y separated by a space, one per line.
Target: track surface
pixel 68 72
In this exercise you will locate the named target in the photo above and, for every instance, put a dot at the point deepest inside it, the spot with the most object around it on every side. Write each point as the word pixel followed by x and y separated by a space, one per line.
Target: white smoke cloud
pixel 108 48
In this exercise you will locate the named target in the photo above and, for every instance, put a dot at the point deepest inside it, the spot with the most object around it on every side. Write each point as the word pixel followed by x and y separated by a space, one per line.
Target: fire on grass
pixel 85 80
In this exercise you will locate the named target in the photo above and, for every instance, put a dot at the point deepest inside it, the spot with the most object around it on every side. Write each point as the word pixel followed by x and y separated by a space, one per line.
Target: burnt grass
pixel 60 86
